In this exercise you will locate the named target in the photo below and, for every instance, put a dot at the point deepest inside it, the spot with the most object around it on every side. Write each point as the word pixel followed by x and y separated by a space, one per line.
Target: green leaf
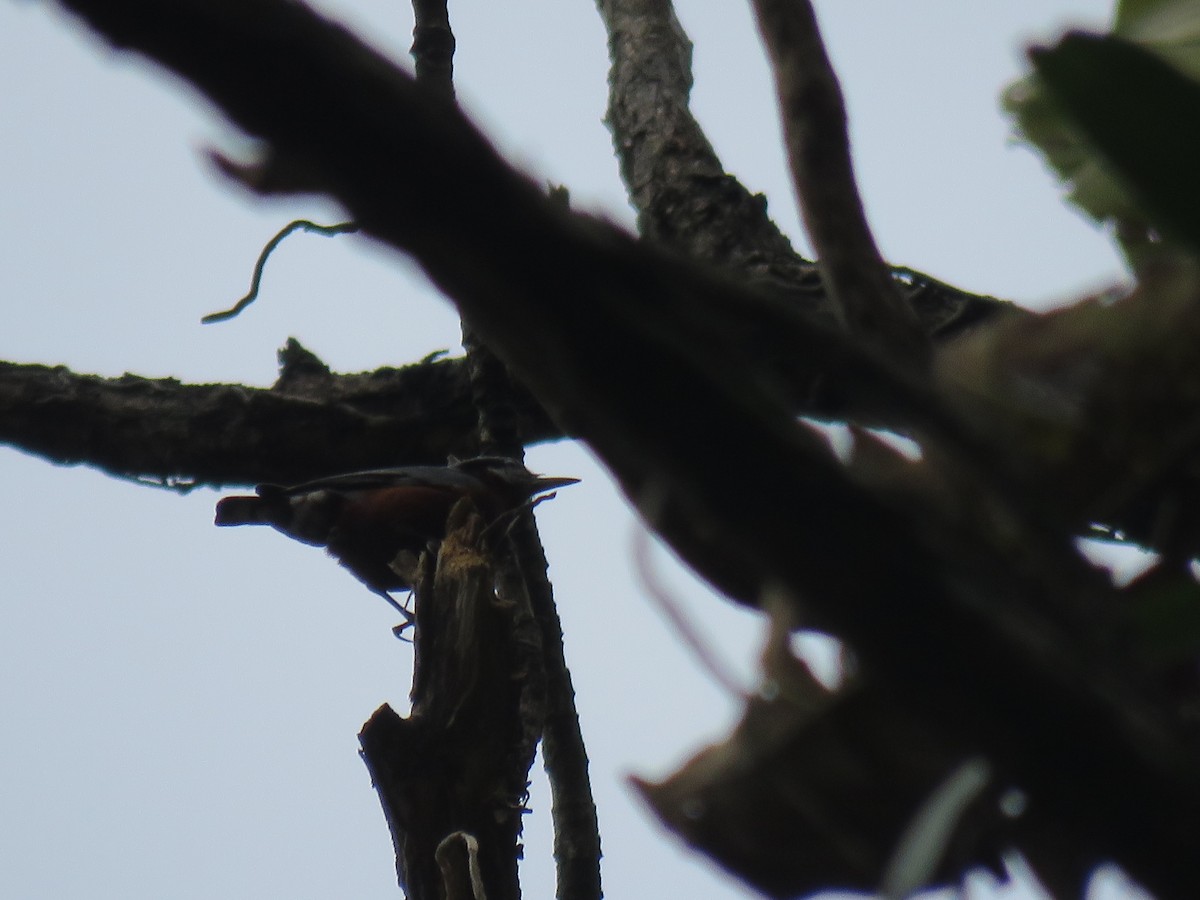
pixel 1171 28
pixel 1131 14
pixel 1142 117
pixel 1043 123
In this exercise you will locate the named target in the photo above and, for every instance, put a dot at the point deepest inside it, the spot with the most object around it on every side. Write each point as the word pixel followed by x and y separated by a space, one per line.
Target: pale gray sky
pixel 181 703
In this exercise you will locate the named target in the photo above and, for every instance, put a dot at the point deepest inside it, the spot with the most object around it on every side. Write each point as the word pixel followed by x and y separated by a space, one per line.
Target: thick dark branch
pixel 483 204
pixel 382 418
pixel 858 283
pixel 312 423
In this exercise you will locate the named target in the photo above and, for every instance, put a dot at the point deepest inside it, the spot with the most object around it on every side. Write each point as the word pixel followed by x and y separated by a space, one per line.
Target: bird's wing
pixel 430 476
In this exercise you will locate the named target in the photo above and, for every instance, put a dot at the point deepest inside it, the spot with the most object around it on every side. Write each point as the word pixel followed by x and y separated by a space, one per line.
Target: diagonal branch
pixel 856 279
pixel 667 161
pixel 675 180
pixel 683 195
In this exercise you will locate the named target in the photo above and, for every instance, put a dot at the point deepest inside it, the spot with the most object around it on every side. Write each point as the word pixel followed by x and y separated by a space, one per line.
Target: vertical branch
pixel 453 776
pixel 546 710
pixel 564 754
pixel 814 122
pixel 549 708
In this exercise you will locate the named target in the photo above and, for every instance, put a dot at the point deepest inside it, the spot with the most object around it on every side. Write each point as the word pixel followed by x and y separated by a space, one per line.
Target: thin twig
pixel 814 121
pixel 256 280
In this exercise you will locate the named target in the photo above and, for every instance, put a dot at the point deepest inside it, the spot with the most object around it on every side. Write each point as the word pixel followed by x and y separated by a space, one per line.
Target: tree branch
pixel 460 761
pixel 433 47
pixel 683 195
pixel 675 180
pixel 311 423
pixel 547 709
pixel 651 130
pixel 858 283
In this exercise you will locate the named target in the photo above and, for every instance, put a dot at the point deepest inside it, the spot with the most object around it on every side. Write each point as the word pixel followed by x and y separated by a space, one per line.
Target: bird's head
pixel 509 478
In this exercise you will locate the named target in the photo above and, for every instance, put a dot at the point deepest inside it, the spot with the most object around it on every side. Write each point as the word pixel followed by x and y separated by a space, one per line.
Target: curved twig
pixel 267 250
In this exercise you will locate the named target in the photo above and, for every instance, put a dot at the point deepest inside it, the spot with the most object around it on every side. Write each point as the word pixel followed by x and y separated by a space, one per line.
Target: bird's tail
pixel 244 511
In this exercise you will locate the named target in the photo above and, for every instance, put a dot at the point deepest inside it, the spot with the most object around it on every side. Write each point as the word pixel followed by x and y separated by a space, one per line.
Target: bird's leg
pixel 395 604
pixel 400 608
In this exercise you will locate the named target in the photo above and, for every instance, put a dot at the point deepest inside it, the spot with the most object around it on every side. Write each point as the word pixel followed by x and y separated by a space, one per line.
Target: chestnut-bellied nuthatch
pixel 366 520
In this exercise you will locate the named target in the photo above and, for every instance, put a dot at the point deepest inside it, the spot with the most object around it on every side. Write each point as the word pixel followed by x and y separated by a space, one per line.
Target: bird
pixel 367 519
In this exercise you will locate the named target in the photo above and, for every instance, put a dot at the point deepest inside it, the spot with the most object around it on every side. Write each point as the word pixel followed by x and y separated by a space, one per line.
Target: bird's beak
pixel 544 483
